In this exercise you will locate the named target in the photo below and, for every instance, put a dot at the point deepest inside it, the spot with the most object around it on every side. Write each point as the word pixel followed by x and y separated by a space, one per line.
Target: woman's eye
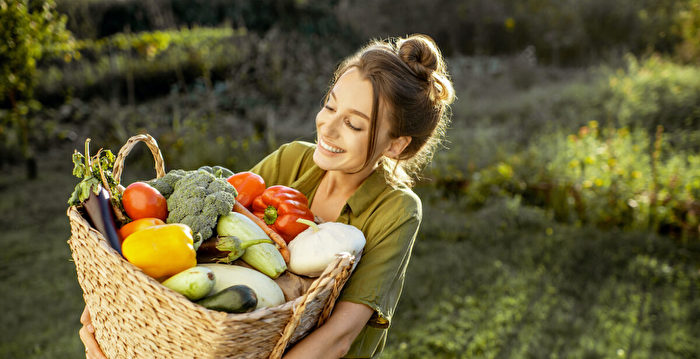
pixel 347 122
pixel 329 108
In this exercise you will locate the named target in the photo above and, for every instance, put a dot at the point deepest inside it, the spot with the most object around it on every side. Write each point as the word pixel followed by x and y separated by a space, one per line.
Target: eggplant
pixel 101 214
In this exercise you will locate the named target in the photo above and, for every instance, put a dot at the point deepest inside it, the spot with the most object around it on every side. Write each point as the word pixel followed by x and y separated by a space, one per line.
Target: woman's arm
pixel 333 339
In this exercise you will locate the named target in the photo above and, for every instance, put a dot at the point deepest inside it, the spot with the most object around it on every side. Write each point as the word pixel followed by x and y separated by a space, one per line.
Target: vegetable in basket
pixel 217 171
pixel 268 292
pixel 194 283
pixel 97 191
pixel 312 250
pixel 225 249
pixel 234 299
pixel 280 207
pixel 161 251
pixel 138 225
pixel 197 199
pixel 141 200
pixel 249 186
pixel 264 256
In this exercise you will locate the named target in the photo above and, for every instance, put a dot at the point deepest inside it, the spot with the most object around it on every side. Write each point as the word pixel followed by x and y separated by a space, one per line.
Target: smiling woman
pixel 382 117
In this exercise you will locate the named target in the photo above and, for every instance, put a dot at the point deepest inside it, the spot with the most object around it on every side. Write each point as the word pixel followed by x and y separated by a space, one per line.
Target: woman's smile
pixel 329 147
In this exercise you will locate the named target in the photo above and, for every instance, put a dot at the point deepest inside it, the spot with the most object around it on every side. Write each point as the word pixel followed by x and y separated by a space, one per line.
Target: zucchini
pixel 193 283
pixel 234 299
pixel 268 292
pixel 264 256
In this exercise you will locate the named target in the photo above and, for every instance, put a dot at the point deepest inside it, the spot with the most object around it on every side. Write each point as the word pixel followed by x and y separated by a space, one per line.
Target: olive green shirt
pixel 388 217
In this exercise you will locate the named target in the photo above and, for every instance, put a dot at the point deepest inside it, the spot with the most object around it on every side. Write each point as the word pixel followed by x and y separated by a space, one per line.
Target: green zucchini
pixel 234 299
pixel 264 256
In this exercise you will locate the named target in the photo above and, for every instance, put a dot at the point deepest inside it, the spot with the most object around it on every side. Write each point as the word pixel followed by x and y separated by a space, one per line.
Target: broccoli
pixel 166 184
pixel 197 199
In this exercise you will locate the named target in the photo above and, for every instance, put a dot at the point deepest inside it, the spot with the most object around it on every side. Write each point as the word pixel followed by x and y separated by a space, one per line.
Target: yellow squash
pixel 161 251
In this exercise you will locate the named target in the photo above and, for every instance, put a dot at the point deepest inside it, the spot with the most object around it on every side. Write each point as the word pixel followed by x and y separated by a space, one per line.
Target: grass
pixel 41 296
pixel 512 283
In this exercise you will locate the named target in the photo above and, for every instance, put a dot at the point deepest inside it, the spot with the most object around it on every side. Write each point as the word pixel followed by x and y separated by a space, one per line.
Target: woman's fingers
pixel 87 336
pixel 92 349
pixel 85 317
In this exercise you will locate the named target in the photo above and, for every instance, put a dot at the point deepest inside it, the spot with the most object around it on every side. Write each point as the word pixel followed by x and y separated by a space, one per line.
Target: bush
pixel 609 177
pixel 654 92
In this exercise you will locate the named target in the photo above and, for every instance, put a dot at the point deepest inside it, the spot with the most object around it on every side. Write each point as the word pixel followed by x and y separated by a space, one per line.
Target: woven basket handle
pixel 311 293
pixel 338 285
pixel 124 151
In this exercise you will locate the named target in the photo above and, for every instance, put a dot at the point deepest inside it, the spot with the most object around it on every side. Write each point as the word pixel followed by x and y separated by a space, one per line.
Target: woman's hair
pixel 412 88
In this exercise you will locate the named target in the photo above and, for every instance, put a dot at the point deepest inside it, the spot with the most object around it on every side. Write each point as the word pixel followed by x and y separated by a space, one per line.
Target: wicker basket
pixel 136 317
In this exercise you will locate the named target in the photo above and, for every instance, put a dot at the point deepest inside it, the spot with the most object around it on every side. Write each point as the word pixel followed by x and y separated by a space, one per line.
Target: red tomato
pixel 138 225
pixel 249 185
pixel 140 200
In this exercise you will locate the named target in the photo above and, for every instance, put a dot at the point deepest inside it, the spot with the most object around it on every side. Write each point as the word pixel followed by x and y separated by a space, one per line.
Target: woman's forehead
pixel 355 91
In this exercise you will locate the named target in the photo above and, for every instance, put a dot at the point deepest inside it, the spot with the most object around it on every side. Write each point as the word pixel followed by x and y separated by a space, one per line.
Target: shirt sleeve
pixel 379 277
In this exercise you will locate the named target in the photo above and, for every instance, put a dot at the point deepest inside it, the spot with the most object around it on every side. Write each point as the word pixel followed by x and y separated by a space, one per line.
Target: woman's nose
pixel 329 127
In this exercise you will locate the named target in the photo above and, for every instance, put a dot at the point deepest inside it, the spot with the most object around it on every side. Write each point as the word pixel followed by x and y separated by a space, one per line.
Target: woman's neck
pixel 334 190
pixel 337 183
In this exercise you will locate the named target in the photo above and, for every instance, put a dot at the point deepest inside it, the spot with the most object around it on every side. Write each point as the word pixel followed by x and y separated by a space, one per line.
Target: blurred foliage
pixel 143 65
pixel 654 92
pixel 687 25
pixel 608 177
pixel 562 32
pixel 30 30
pixel 629 171
pixel 91 19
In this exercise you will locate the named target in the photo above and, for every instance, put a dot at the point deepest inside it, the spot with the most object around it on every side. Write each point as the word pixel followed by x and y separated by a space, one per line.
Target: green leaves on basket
pixel 93 171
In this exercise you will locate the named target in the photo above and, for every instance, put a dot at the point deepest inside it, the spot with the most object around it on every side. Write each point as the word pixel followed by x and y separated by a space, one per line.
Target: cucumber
pixel 234 299
pixel 194 283
pixel 268 292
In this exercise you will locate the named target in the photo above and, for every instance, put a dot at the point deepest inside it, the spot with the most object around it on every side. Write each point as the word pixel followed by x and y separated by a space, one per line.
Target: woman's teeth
pixel 329 147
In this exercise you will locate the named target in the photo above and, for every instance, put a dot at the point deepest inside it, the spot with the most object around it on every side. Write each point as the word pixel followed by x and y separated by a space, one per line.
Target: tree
pixel 28 31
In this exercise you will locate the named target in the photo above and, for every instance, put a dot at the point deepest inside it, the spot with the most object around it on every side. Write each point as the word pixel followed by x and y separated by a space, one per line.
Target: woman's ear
pixel 397 146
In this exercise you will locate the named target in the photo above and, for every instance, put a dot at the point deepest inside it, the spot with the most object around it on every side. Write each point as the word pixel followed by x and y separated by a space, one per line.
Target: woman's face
pixel 343 125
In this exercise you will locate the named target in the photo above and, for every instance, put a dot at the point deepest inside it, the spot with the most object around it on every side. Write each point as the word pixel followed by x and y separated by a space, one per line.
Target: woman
pixel 385 113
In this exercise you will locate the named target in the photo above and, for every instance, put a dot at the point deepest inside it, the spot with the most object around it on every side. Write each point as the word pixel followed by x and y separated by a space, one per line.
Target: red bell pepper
pixel 280 207
pixel 249 186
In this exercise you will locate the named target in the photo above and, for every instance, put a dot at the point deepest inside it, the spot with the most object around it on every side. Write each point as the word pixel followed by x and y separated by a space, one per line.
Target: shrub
pixel 654 92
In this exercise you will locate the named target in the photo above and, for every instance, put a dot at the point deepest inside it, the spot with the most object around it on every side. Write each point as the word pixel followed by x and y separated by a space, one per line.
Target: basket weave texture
pixel 136 317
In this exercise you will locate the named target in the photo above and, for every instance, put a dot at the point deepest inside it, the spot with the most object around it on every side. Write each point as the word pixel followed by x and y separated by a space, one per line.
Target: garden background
pixel 561 218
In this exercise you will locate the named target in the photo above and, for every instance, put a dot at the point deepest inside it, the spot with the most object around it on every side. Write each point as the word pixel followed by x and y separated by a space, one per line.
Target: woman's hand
pixel 87 335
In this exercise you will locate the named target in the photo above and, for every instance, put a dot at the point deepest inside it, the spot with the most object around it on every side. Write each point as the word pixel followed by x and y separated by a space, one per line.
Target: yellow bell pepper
pixel 161 251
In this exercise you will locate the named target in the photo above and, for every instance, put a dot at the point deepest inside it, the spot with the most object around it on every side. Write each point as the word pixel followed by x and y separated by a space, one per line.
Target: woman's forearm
pixel 333 339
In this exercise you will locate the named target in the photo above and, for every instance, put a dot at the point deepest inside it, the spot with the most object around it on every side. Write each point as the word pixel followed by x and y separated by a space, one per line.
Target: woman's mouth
pixel 329 148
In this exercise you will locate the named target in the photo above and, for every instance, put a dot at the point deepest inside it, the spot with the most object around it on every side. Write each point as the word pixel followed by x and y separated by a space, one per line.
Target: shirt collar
pixel 368 191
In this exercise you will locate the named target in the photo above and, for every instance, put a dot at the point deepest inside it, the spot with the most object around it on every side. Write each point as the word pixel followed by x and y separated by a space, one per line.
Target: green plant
pixel 29 30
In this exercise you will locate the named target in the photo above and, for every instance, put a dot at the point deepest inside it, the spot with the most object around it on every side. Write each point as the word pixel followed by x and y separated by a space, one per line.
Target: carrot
pixel 281 244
